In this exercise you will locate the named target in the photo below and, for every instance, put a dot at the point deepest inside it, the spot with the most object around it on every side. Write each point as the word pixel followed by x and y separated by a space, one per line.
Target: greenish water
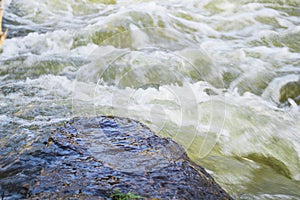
pixel 208 74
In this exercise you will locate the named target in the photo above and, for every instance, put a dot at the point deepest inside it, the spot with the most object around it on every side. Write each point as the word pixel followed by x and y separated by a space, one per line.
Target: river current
pixel 207 74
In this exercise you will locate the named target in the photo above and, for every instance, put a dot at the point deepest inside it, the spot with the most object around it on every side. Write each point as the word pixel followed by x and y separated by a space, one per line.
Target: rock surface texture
pixel 93 158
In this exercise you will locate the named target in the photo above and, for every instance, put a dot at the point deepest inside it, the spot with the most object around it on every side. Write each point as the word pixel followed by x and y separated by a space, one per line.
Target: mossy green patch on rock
pixel 122 196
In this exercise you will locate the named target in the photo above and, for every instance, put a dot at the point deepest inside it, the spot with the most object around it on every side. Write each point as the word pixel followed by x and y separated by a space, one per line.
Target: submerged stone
pixel 290 90
pixel 98 157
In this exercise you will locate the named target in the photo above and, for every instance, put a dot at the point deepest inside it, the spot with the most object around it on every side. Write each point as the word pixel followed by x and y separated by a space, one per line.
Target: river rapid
pixel 207 74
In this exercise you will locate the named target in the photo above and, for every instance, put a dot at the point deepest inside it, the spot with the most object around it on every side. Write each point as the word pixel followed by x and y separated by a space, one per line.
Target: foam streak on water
pixel 208 74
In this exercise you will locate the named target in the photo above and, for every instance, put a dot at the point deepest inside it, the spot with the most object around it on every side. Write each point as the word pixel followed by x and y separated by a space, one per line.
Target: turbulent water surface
pixel 211 74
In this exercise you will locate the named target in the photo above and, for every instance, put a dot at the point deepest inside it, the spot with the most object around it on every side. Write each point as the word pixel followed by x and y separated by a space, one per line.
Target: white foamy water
pixel 206 73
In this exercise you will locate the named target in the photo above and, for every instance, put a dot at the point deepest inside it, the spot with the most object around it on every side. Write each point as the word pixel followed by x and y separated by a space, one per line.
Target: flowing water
pixel 206 73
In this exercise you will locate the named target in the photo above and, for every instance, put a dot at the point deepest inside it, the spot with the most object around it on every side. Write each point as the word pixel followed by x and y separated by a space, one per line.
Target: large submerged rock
pixel 97 157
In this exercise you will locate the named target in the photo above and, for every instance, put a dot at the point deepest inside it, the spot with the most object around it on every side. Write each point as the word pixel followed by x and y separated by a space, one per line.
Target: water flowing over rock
pixel 93 158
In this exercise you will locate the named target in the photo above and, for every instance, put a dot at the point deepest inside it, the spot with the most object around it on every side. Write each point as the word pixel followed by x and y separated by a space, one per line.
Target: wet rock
pixel 97 157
